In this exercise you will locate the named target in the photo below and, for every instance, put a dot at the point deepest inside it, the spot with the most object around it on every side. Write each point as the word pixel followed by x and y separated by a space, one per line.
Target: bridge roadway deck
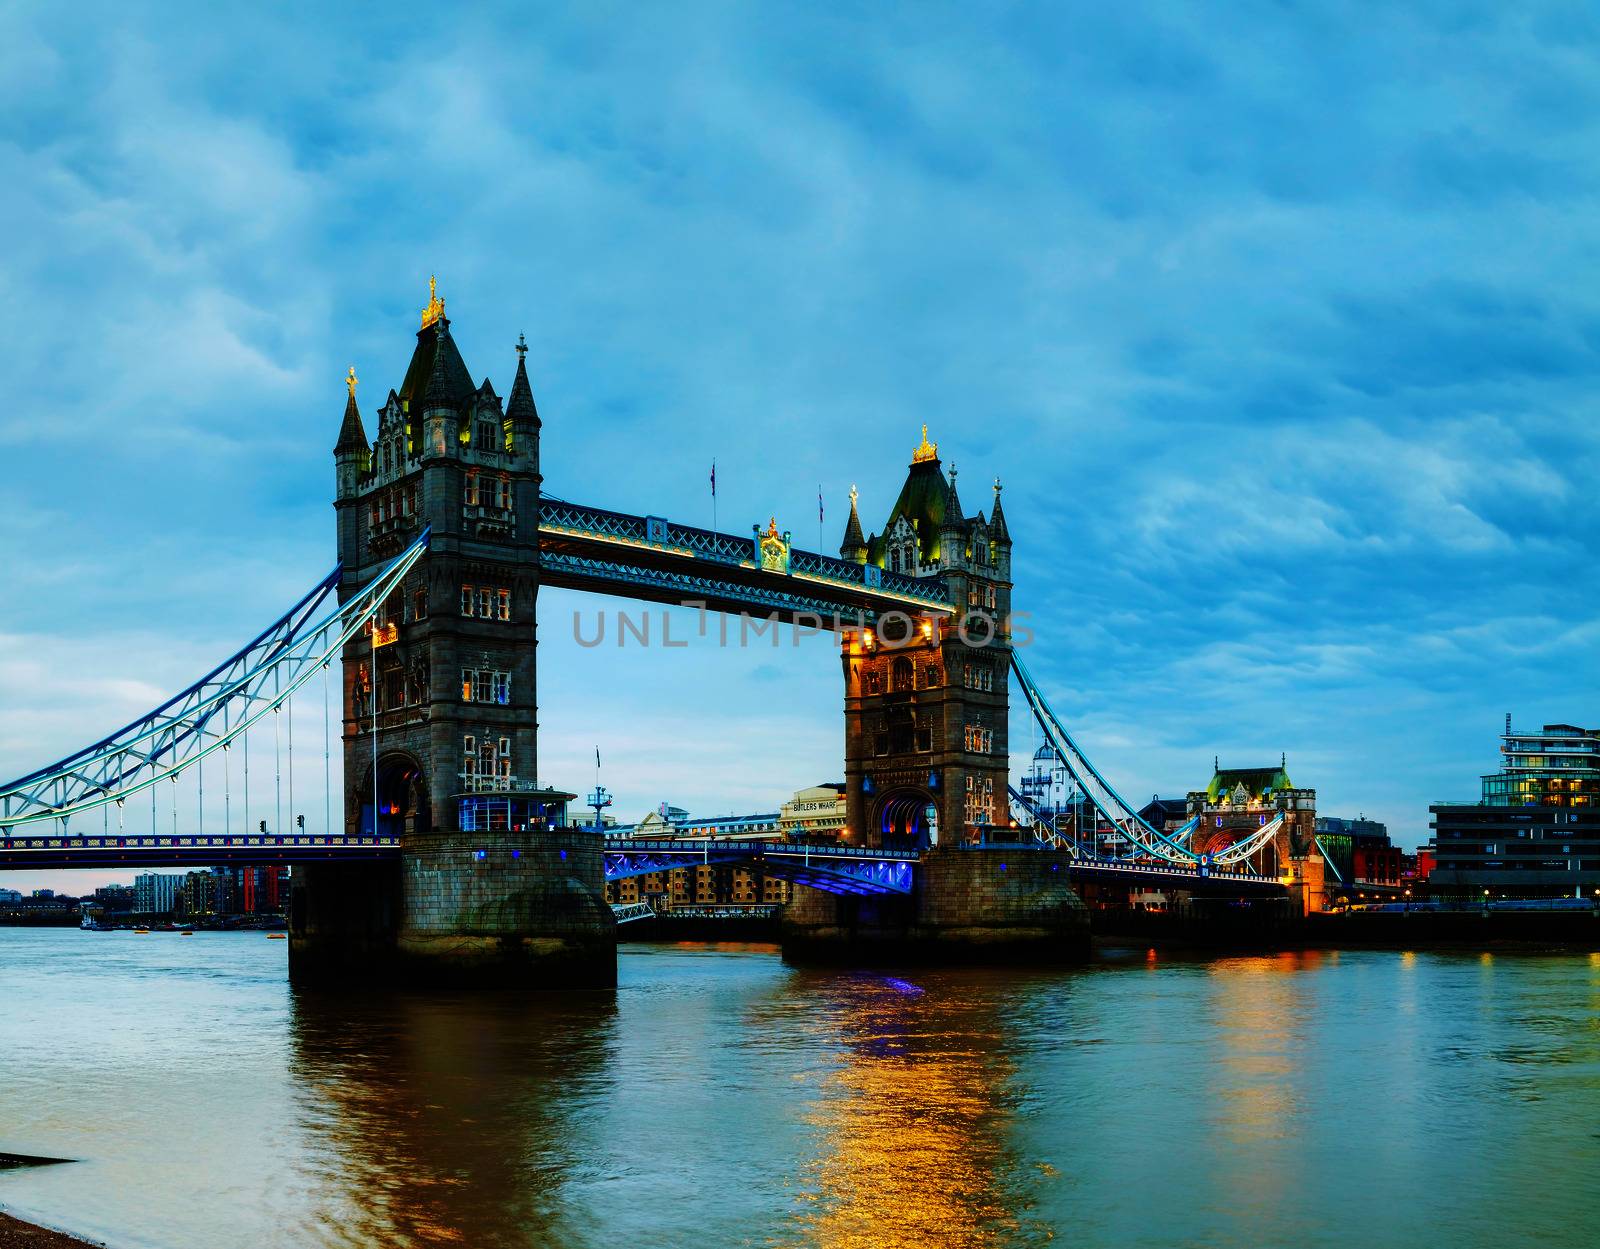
pixel 144 852
pixel 851 869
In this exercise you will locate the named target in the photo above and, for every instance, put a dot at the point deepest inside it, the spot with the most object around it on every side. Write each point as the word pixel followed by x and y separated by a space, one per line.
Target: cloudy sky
pixel 1279 322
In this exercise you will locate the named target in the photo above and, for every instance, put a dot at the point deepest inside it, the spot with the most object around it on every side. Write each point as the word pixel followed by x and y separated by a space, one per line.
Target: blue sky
pixel 1279 322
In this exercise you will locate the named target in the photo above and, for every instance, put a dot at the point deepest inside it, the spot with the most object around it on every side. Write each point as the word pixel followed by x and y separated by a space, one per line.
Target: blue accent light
pixel 563 856
pixel 480 854
pixel 1002 867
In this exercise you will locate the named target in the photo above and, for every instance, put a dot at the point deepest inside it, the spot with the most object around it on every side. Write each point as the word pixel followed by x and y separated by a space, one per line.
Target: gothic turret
pixel 352 453
pixel 522 417
pixel 854 546
pixel 1000 536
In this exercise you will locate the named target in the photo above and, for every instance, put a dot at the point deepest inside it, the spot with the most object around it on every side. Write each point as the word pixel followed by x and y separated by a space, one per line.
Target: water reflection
pixel 442 1120
pixel 911 1126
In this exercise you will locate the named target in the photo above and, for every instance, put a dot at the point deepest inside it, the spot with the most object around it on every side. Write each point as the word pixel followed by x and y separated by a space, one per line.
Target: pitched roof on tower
pixel 924 501
pixel 352 433
pixel 436 351
pixel 520 406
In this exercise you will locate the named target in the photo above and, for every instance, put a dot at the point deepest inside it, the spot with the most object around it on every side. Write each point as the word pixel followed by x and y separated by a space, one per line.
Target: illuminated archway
pixel 901 818
pixel 402 798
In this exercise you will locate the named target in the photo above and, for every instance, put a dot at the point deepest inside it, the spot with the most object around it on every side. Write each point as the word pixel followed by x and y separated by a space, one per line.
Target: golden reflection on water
pixel 910 1127
pixel 412 1146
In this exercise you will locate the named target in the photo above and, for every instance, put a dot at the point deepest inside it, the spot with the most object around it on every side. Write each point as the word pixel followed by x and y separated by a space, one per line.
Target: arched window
pixel 902 673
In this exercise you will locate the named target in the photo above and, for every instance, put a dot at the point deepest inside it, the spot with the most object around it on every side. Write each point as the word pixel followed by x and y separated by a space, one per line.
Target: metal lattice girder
pixel 835 869
pixel 213 711
pixel 1106 800
pixel 628 912
pixel 707 547
pixel 1241 850
pixel 606 575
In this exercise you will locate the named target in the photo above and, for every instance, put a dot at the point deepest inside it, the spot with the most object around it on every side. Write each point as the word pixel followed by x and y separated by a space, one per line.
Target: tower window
pixel 902 673
pixel 874 682
pixel 471 497
pixel 502 605
pixel 502 493
pixel 419 604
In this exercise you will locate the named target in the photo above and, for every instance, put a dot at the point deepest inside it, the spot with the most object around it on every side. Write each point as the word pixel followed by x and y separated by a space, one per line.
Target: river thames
pixel 722 1098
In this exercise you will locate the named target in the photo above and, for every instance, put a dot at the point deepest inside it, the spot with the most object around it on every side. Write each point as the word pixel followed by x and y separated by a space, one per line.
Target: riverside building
pixel 1535 830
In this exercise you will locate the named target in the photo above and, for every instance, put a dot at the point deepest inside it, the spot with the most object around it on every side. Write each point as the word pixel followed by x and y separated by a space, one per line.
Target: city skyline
pixel 1294 463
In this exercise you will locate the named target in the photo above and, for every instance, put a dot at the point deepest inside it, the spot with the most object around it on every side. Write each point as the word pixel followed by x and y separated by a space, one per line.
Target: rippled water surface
pixel 721 1098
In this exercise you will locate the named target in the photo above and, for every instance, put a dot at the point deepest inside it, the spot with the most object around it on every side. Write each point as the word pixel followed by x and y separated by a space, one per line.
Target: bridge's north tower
pixel 926 700
pixel 440 718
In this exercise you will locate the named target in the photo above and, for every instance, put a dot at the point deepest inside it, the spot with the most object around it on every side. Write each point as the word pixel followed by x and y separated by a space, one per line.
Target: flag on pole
pixel 713 479
pixel 819 505
pixel 597 756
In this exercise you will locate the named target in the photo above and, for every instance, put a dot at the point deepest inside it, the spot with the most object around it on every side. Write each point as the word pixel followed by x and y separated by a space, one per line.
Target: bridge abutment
pixel 1002 906
pixel 512 909
pixel 462 910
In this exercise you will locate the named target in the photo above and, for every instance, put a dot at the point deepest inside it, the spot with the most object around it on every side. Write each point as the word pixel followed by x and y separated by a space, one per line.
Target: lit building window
pixel 471 496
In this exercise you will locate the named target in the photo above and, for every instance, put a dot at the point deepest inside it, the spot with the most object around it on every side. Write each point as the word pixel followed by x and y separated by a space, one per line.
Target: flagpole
pixel 819 518
pixel 713 496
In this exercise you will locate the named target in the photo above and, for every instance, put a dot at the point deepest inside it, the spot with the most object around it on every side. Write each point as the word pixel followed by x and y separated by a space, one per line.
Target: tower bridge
pixel 461 867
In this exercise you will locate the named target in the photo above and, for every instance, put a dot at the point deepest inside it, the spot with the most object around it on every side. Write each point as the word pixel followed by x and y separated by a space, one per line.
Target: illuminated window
pixel 468 600
pixel 902 673
pixel 471 496
pixel 502 493
pixel 502 605
pixel 874 682
pixel 419 604
pixel 485 603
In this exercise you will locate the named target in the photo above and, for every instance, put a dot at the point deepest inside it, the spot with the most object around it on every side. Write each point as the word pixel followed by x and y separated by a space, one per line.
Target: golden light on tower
pixel 925 450
pixel 435 308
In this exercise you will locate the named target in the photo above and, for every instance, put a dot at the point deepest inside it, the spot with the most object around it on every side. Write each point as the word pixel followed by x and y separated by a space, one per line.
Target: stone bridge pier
pixel 989 905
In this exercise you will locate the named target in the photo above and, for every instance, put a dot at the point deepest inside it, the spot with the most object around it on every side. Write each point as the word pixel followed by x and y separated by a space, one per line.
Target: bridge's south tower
pixel 926 753
pixel 440 716
pixel 925 701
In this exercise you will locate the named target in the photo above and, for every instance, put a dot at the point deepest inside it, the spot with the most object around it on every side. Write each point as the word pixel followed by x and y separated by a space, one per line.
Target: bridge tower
pixel 440 717
pixel 926 700
pixel 926 753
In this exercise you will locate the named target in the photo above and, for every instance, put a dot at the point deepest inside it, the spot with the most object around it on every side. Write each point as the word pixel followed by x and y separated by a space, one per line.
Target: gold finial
pixel 997 487
pixel 435 308
pixel 927 451
pixel 350 380
pixel 522 345
pixel 772 527
pixel 852 496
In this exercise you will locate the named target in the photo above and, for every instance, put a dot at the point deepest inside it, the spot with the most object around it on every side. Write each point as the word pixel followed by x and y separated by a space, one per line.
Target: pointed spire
pixel 352 433
pixel 854 546
pixel 952 507
pixel 437 395
pixel 925 450
pixel 997 522
pixel 520 408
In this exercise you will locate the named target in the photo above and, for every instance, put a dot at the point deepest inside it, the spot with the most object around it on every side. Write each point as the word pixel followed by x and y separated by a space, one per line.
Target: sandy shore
pixel 15 1234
